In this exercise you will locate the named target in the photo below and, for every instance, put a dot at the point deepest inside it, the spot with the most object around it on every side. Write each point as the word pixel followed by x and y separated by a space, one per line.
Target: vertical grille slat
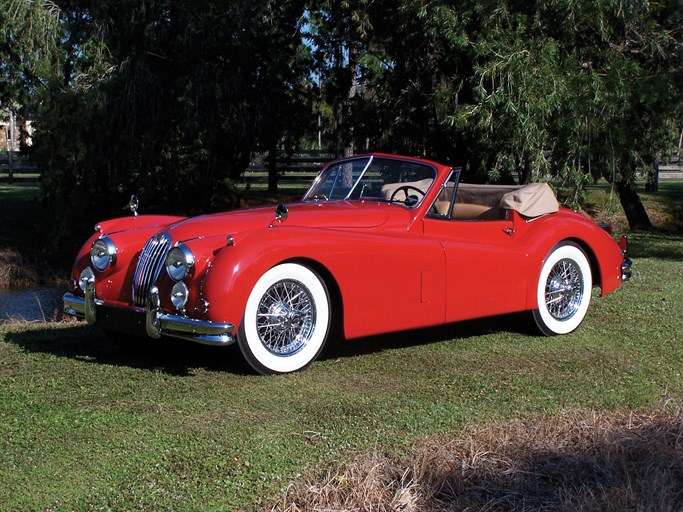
pixel 149 266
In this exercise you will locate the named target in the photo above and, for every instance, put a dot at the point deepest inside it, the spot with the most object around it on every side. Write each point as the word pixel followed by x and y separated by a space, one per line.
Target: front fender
pixel 236 268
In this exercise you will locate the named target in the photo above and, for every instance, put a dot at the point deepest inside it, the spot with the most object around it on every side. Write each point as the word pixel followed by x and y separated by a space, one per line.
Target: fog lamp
pixel 179 295
pixel 86 277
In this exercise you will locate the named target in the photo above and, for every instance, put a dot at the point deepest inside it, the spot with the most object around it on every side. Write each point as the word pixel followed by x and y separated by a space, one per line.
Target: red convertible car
pixel 379 243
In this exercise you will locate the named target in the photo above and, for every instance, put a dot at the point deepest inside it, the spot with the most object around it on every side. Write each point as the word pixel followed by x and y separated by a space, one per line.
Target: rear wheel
pixel 563 290
pixel 286 320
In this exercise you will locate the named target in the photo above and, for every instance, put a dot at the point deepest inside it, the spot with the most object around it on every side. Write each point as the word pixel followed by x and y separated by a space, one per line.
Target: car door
pixel 484 264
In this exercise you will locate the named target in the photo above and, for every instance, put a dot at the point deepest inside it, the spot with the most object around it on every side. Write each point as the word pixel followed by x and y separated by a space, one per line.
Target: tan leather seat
pixel 467 211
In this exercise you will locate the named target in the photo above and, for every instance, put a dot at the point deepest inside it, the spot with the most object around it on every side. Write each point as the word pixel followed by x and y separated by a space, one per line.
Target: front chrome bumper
pixel 157 323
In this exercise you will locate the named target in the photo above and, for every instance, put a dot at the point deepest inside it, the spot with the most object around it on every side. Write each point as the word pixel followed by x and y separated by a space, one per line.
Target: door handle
pixel 509 231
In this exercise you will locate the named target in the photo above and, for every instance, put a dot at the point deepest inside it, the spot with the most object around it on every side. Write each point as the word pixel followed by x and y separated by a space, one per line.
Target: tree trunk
pixel 10 168
pixel 11 149
pixel 633 207
pixel 349 148
pixel 526 174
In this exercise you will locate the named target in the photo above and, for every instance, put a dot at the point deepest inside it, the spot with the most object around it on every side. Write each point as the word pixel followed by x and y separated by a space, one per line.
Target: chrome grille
pixel 149 266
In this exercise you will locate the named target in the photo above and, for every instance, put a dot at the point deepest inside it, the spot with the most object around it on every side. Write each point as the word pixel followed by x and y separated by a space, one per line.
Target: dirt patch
pixel 573 461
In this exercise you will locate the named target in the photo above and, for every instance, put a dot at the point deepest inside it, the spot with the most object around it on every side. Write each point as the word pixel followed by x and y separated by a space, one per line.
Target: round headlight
pixel 179 295
pixel 102 253
pixel 179 262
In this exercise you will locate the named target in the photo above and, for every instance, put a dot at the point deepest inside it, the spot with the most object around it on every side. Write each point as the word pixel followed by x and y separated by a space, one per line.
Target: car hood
pixel 325 215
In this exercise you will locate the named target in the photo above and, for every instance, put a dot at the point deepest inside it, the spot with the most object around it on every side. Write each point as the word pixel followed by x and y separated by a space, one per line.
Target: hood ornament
pixel 281 214
pixel 133 204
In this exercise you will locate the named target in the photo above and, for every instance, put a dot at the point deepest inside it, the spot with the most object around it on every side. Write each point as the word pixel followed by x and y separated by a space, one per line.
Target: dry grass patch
pixel 13 272
pixel 573 461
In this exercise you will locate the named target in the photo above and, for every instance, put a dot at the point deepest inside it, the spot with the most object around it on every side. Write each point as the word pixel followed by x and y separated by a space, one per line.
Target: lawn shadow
pixel 660 244
pixel 169 356
pixel 180 358
pixel 516 323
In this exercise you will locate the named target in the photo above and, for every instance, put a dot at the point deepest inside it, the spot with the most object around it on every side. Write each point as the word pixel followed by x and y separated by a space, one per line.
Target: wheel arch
pixel 592 258
pixel 336 300
pixel 546 250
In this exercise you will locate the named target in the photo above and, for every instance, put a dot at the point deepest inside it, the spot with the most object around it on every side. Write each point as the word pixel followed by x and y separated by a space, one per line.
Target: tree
pixel 338 32
pixel 27 57
pixel 165 99
pixel 571 89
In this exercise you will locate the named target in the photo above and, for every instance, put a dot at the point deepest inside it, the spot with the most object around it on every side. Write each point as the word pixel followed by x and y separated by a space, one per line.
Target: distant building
pixel 22 128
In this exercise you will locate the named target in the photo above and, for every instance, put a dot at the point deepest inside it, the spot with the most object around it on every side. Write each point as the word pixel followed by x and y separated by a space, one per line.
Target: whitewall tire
pixel 286 320
pixel 563 290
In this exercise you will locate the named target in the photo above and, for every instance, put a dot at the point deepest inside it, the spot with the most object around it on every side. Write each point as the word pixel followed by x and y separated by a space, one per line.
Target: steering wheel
pixel 405 189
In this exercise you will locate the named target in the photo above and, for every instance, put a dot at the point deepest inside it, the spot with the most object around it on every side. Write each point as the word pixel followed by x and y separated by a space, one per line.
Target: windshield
pixel 373 178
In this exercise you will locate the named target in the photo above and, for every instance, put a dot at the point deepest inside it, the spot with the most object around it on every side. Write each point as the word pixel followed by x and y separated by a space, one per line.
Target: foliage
pixel 168 102
pixel 29 34
pixel 573 89
pixel 563 88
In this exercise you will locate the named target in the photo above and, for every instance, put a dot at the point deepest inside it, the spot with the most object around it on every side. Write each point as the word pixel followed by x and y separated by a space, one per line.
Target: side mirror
pixel 281 213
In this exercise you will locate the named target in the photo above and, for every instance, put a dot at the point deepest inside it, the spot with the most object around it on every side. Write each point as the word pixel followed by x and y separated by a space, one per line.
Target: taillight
pixel 623 244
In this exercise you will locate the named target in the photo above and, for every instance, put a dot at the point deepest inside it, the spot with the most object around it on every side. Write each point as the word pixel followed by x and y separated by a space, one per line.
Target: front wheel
pixel 563 290
pixel 286 320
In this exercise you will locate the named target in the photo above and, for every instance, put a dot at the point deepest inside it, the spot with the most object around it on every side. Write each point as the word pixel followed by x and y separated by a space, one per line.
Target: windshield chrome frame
pixel 454 173
pixel 318 178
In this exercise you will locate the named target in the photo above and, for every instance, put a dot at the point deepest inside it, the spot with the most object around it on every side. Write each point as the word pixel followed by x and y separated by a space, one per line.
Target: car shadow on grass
pixel 179 358
pixel 519 323
pixel 89 344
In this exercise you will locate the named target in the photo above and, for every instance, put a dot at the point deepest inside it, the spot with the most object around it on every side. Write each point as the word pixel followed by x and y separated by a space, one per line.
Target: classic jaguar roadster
pixel 379 243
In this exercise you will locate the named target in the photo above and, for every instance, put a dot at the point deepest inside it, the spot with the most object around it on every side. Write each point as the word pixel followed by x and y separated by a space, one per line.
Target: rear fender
pixel 541 235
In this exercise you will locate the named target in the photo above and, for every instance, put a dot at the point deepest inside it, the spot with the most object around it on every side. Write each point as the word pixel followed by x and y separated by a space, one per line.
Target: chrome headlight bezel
pixel 179 262
pixel 103 253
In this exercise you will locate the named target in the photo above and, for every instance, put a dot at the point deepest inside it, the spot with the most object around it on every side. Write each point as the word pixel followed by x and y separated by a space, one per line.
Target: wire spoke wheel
pixel 286 317
pixel 563 290
pixel 286 320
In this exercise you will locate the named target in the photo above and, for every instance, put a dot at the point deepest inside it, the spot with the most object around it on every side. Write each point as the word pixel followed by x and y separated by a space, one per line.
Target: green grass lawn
pixel 86 426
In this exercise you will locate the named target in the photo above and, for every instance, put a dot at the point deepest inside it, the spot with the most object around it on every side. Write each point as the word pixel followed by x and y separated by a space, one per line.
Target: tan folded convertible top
pixel 531 200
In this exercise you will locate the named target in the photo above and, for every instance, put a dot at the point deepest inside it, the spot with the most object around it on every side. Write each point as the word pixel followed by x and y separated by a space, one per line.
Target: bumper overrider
pixel 156 322
pixel 626 263
pixel 626 269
